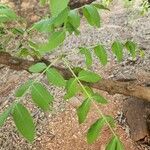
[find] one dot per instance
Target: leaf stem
(98, 110)
(38, 78)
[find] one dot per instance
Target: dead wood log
(111, 86)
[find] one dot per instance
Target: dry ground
(60, 130)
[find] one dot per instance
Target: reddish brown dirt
(68, 134)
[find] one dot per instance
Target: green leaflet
(100, 52)
(42, 2)
(117, 49)
(74, 18)
(73, 22)
(83, 109)
(131, 47)
(141, 53)
(96, 128)
(45, 25)
(48, 25)
(17, 31)
(88, 76)
(6, 14)
(100, 6)
(55, 77)
(38, 67)
(55, 40)
(93, 96)
(24, 52)
(89, 92)
(24, 122)
(115, 144)
(99, 99)
(61, 18)
(41, 96)
(71, 87)
(56, 6)
(92, 15)
(5, 114)
(88, 56)
(70, 28)
(23, 88)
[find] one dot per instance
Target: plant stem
(98, 110)
(37, 79)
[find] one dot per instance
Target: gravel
(116, 25)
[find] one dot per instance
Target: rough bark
(136, 113)
(111, 86)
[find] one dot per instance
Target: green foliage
(92, 15)
(45, 25)
(42, 2)
(99, 99)
(114, 144)
(88, 56)
(71, 88)
(145, 6)
(41, 96)
(73, 22)
(61, 18)
(88, 76)
(38, 67)
(56, 6)
(55, 77)
(100, 6)
(5, 114)
(96, 128)
(131, 47)
(23, 88)
(117, 49)
(100, 52)
(74, 18)
(87, 92)
(62, 21)
(54, 41)
(24, 122)
(18, 31)
(83, 110)
(6, 14)
(49, 24)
